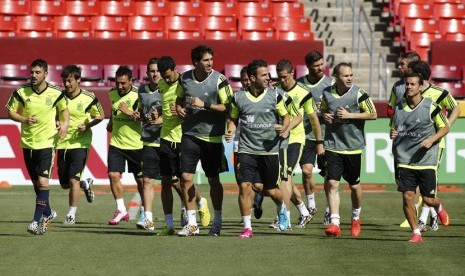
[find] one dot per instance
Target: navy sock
(41, 204)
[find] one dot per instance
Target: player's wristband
(207, 105)
(319, 142)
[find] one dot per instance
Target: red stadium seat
(258, 35)
(443, 73)
(116, 8)
(447, 1)
(110, 34)
(73, 34)
(286, 9)
(295, 24)
(221, 35)
(181, 68)
(233, 73)
(456, 89)
(14, 7)
(151, 8)
(184, 35)
(82, 8)
(455, 36)
(187, 8)
(420, 26)
(220, 23)
(447, 10)
(395, 4)
(34, 26)
(250, 23)
(102, 26)
(53, 8)
(54, 74)
(257, 9)
(91, 75)
(291, 36)
(407, 10)
(7, 23)
(141, 27)
(423, 40)
(72, 26)
(183, 23)
(14, 74)
(219, 9)
(451, 26)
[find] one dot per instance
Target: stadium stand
(445, 73)
(13, 74)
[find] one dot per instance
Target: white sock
(311, 200)
(355, 213)
(247, 221)
(169, 220)
(417, 231)
(424, 214)
(201, 203)
(433, 212)
(120, 205)
(149, 215)
(191, 217)
(335, 219)
(289, 217)
(72, 211)
(218, 219)
(302, 209)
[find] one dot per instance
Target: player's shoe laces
(433, 224)
(204, 214)
(422, 226)
(215, 230)
(141, 222)
(183, 217)
(119, 216)
(33, 228)
(283, 220)
(444, 217)
(303, 221)
(69, 220)
(88, 182)
(275, 223)
(327, 219)
(166, 231)
(312, 211)
(333, 230)
(246, 233)
(356, 228)
(46, 221)
(189, 230)
(416, 238)
(257, 206)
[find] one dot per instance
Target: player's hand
(197, 102)
(279, 129)
(393, 134)
(82, 127)
(229, 136)
(31, 120)
(135, 115)
(342, 113)
(320, 151)
(154, 113)
(427, 143)
(328, 117)
(173, 110)
(123, 107)
(181, 112)
(62, 130)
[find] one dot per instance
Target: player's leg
(335, 168)
(352, 169)
(150, 172)
(116, 166)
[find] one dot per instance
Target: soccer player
(170, 150)
(316, 81)
(397, 93)
(416, 129)
(152, 119)
(85, 112)
(35, 106)
(345, 108)
(203, 95)
(125, 140)
(291, 152)
(258, 109)
(445, 101)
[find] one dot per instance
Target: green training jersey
(82, 109)
(171, 128)
(126, 133)
(44, 106)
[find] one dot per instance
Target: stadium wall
(377, 159)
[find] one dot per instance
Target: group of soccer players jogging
(164, 128)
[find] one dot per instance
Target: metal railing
(362, 37)
(383, 79)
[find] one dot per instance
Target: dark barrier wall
(135, 51)
(448, 52)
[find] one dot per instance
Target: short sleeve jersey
(82, 109)
(44, 107)
(126, 133)
(171, 128)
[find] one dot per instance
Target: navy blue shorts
(117, 160)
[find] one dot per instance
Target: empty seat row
(155, 27)
(151, 8)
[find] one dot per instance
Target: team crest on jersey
(80, 106)
(48, 101)
(128, 102)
